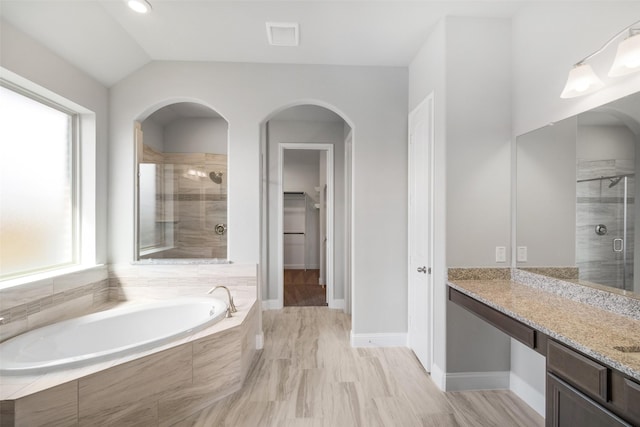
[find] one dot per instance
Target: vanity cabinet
(566, 406)
(581, 391)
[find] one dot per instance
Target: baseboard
(271, 304)
(259, 341)
(337, 304)
(461, 381)
(301, 267)
(378, 340)
(438, 377)
(530, 395)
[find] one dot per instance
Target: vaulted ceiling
(109, 41)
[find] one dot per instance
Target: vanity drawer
(583, 373)
(506, 324)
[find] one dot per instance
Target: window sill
(33, 278)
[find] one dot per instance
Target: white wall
(361, 95)
(22, 55)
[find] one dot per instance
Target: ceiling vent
(283, 33)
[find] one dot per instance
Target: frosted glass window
(37, 197)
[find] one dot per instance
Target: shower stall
(605, 218)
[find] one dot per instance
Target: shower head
(216, 177)
(615, 181)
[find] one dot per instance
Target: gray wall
(196, 135)
(427, 73)
(293, 131)
(478, 175)
(247, 95)
(546, 197)
(473, 131)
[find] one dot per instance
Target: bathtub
(106, 335)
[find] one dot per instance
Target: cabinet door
(567, 407)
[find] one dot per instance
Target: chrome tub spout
(232, 307)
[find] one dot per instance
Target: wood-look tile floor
(308, 375)
(301, 289)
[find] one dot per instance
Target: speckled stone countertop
(588, 329)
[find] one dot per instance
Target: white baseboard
(271, 304)
(259, 341)
(301, 267)
(530, 395)
(378, 340)
(461, 381)
(438, 377)
(337, 304)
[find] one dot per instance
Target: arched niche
(181, 183)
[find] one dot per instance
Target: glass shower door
(605, 230)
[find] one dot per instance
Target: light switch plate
(522, 254)
(501, 254)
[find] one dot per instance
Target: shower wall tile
(598, 203)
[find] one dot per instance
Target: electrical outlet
(501, 254)
(522, 254)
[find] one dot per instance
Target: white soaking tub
(107, 335)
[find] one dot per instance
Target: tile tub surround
(155, 387)
(160, 281)
(32, 305)
(591, 330)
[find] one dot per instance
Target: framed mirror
(576, 198)
(181, 152)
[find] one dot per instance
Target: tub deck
(158, 386)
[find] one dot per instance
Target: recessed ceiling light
(283, 33)
(140, 6)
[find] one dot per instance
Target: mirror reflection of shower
(216, 177)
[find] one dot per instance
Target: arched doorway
(306, 220)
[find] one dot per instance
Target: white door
(420, 231)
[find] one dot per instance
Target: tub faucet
(232, 307)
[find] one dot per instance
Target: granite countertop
(586, 328)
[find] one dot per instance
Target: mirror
(576, 195)
(181, 154)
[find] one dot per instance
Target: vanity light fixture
(140, 6)
(582, 80)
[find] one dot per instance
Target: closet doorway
(306, 175)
